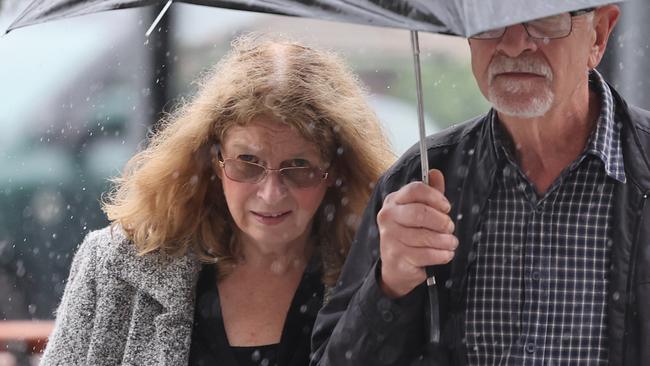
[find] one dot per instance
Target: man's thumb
(437, 180)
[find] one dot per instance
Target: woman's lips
(270, 218)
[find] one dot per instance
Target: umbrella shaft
(418, 87)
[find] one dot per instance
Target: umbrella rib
(158, 18)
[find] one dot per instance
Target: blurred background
(79, 96)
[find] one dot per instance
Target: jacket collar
(170, 280)
(635, 138)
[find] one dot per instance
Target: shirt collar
(604, 142)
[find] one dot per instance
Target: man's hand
(415, 231)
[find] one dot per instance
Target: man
(540, 242)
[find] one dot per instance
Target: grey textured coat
(122, 309)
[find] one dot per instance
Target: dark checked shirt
(537, 289)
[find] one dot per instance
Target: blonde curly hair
(168, 197)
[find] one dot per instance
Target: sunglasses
(552, 27)
(294, 177)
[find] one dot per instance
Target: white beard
(522, 99)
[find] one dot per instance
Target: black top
(256, 355)
(209, 342)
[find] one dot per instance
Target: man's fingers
(422, 238)
(419, 215)
(418, 192)
(410, 259)
(437, 180)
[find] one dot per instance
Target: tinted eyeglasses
(552, 27)
(294, 177)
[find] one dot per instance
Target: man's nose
(516, 41)
(272, 188)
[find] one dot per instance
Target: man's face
(526, 77)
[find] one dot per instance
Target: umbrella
(455, 17)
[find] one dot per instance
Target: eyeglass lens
(247, 172)
(555, 26)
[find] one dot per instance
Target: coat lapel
(171, 282)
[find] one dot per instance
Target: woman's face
(271, 214)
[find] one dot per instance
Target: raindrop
(373, 232)
(471, 256)
(256, 356)
(475, 209)
(546, 40)
(449, 283)
(194, 180)
(348, 355)
(20, 268)
(329, 211)
(32, 309)
(351, 220)
(303, 308)
(339, 151)
(462, 171)
(616, 296)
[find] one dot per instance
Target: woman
(228, 228)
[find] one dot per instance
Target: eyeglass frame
(573, 14)
(222, 163)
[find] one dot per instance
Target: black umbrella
(456, 17)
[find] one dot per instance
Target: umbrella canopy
(456, 17)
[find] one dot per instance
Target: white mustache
(525, 64)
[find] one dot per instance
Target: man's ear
(605, 18)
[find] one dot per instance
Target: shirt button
(530, 347)
(536, 276)
(387, 316)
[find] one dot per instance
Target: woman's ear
(217, 169)
(214, 160)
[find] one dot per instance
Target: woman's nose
(272, 188)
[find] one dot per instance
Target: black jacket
(360, 326)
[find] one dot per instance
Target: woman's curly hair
(169, 198)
